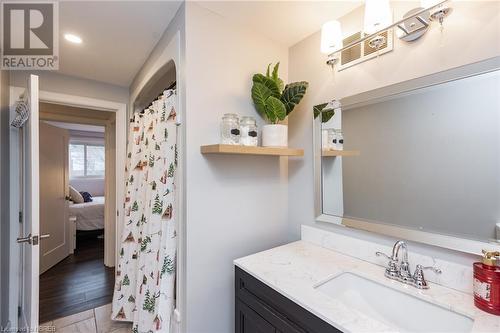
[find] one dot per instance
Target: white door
(29, 206)
(54, 190)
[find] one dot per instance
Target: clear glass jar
(340, 139)
(230, 129)
(325, 143)
(249, 132)
(332, 138)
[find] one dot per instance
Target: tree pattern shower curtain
(145, 277)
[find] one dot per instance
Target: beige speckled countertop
(295, 269)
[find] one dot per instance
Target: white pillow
(75, 195)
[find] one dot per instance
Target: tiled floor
(91, 321)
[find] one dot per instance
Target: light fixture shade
(331, 37)
(429, 3)
(377, 15)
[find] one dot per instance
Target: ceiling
(287, 22)
(77, 127)
(118, 36)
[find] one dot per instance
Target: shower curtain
(145, 277)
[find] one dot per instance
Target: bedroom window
(86, 160)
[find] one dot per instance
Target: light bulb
(429, 3)
(73, 38)
(377, 15)
(331, 37)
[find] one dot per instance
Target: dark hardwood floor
(78, 283)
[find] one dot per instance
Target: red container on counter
(487, 283)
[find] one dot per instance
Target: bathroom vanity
(303, 287)
(259, 308)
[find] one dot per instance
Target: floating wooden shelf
(332, 152)
(245, 150)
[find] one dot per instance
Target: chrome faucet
(401, 271)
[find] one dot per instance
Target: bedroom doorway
(77, 151)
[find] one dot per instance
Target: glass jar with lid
(249, 133)
(332, 138)
(230, 129)
(340, 139)
(325, 143)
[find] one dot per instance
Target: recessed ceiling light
(73, 38)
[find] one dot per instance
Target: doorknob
(26, 239)
(32, 239)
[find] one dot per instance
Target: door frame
(112, 229)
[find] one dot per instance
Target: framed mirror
(419, 160)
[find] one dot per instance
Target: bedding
(87, 197)
(75, 195)
(89, 215)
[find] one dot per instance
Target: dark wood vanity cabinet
(260, 309)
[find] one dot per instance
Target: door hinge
(20, 217)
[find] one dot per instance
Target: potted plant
(274, 101)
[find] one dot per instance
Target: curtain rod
(170, 87)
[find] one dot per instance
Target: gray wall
(64, 84)
(429, 160)
(4, 195)
(237, 205)
(435, 52)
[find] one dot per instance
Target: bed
(89, 215)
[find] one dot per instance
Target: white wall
(4, 195)
(64, 84)
(170, 47)
(236, 205)
(471, 34)
(94, 186)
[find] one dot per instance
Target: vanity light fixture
(73, 38)
(378, 20)
(331, 41)
(378, 16)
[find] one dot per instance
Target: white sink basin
(399, 311)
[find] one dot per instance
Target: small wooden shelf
(245, 150)
(332, 152)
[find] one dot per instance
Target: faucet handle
(419, 278)
(392, 269)
(432, 268)
(381, 254)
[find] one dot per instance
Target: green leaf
(260, 93)
(318, 108)
(274, 76)
(268, 82)
(275, 72)
(280, 84)
(263, 88)
(275, 109)
(293, 94)
(326, 114)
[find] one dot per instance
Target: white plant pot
(275, 136)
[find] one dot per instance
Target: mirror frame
(378, 95)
